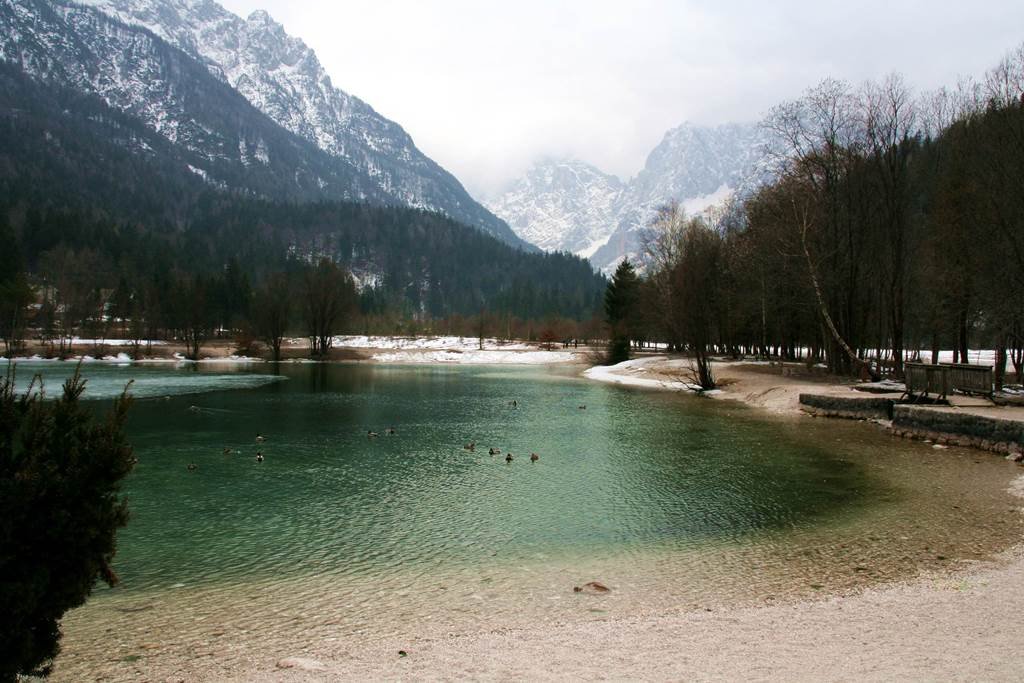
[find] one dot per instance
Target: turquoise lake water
(627, 472)
(671, 500)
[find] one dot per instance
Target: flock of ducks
(497, 451)
(390, 431)
(192, 467)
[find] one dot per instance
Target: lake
(674, 502)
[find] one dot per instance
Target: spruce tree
(60, 507)
(620, 309)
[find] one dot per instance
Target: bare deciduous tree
(328, 294)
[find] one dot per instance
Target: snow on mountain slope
(570, 205)
(693, 165)
(563, 205)
(283, 78)
(221, 137)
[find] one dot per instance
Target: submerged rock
(592, 587)
(301, 663)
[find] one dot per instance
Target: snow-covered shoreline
(441, 343)
(477, 357)
(452, 350)
(124, 359)
(627, 373)
(442, 350)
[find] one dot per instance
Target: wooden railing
(923, 379)
(970, 379)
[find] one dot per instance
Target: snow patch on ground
(477, 357)
(438, 343)
(125, 358)
(119, 358)
(630, 373)
(114, 342)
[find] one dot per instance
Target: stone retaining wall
(959, 429)
(849, 407)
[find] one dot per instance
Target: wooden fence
(924, 379)
(970, 379)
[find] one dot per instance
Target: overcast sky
(487, 86)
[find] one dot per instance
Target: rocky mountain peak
(283, 78)
(561, 205)
(569, 205)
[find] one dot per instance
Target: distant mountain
(233, 93)
(562, 205)
(78, 174)
(181, 111)
(693, 165)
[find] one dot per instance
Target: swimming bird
(372, 434)
(493, 451)
(194, 409)
(471, 446)
(191, 467)
(534, 457)
(391, 431)
(583, 407)
(260, 438)
(508, 458)
(259, 456)
(227, 451)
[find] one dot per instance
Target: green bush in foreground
(60, 476)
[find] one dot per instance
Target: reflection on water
(671, 500)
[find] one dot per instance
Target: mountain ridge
(560, 205)
(696, 166)
(73, 181)
(281, 77)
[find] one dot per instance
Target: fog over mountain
(572, 206)
(282, 78)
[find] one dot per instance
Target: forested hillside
(264, 119)
(89, 219)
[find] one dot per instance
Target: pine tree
(60, 477)
(620, 307)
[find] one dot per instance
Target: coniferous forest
(100, 240)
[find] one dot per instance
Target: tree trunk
(1000, 373)
(962, 337)
(823, 309)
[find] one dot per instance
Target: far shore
(442, 350)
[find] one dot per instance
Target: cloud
(486, 87)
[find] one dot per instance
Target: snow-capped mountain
(275, 73)
(696, 166)
(562, 205)
(553, 205)
(202, 123)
